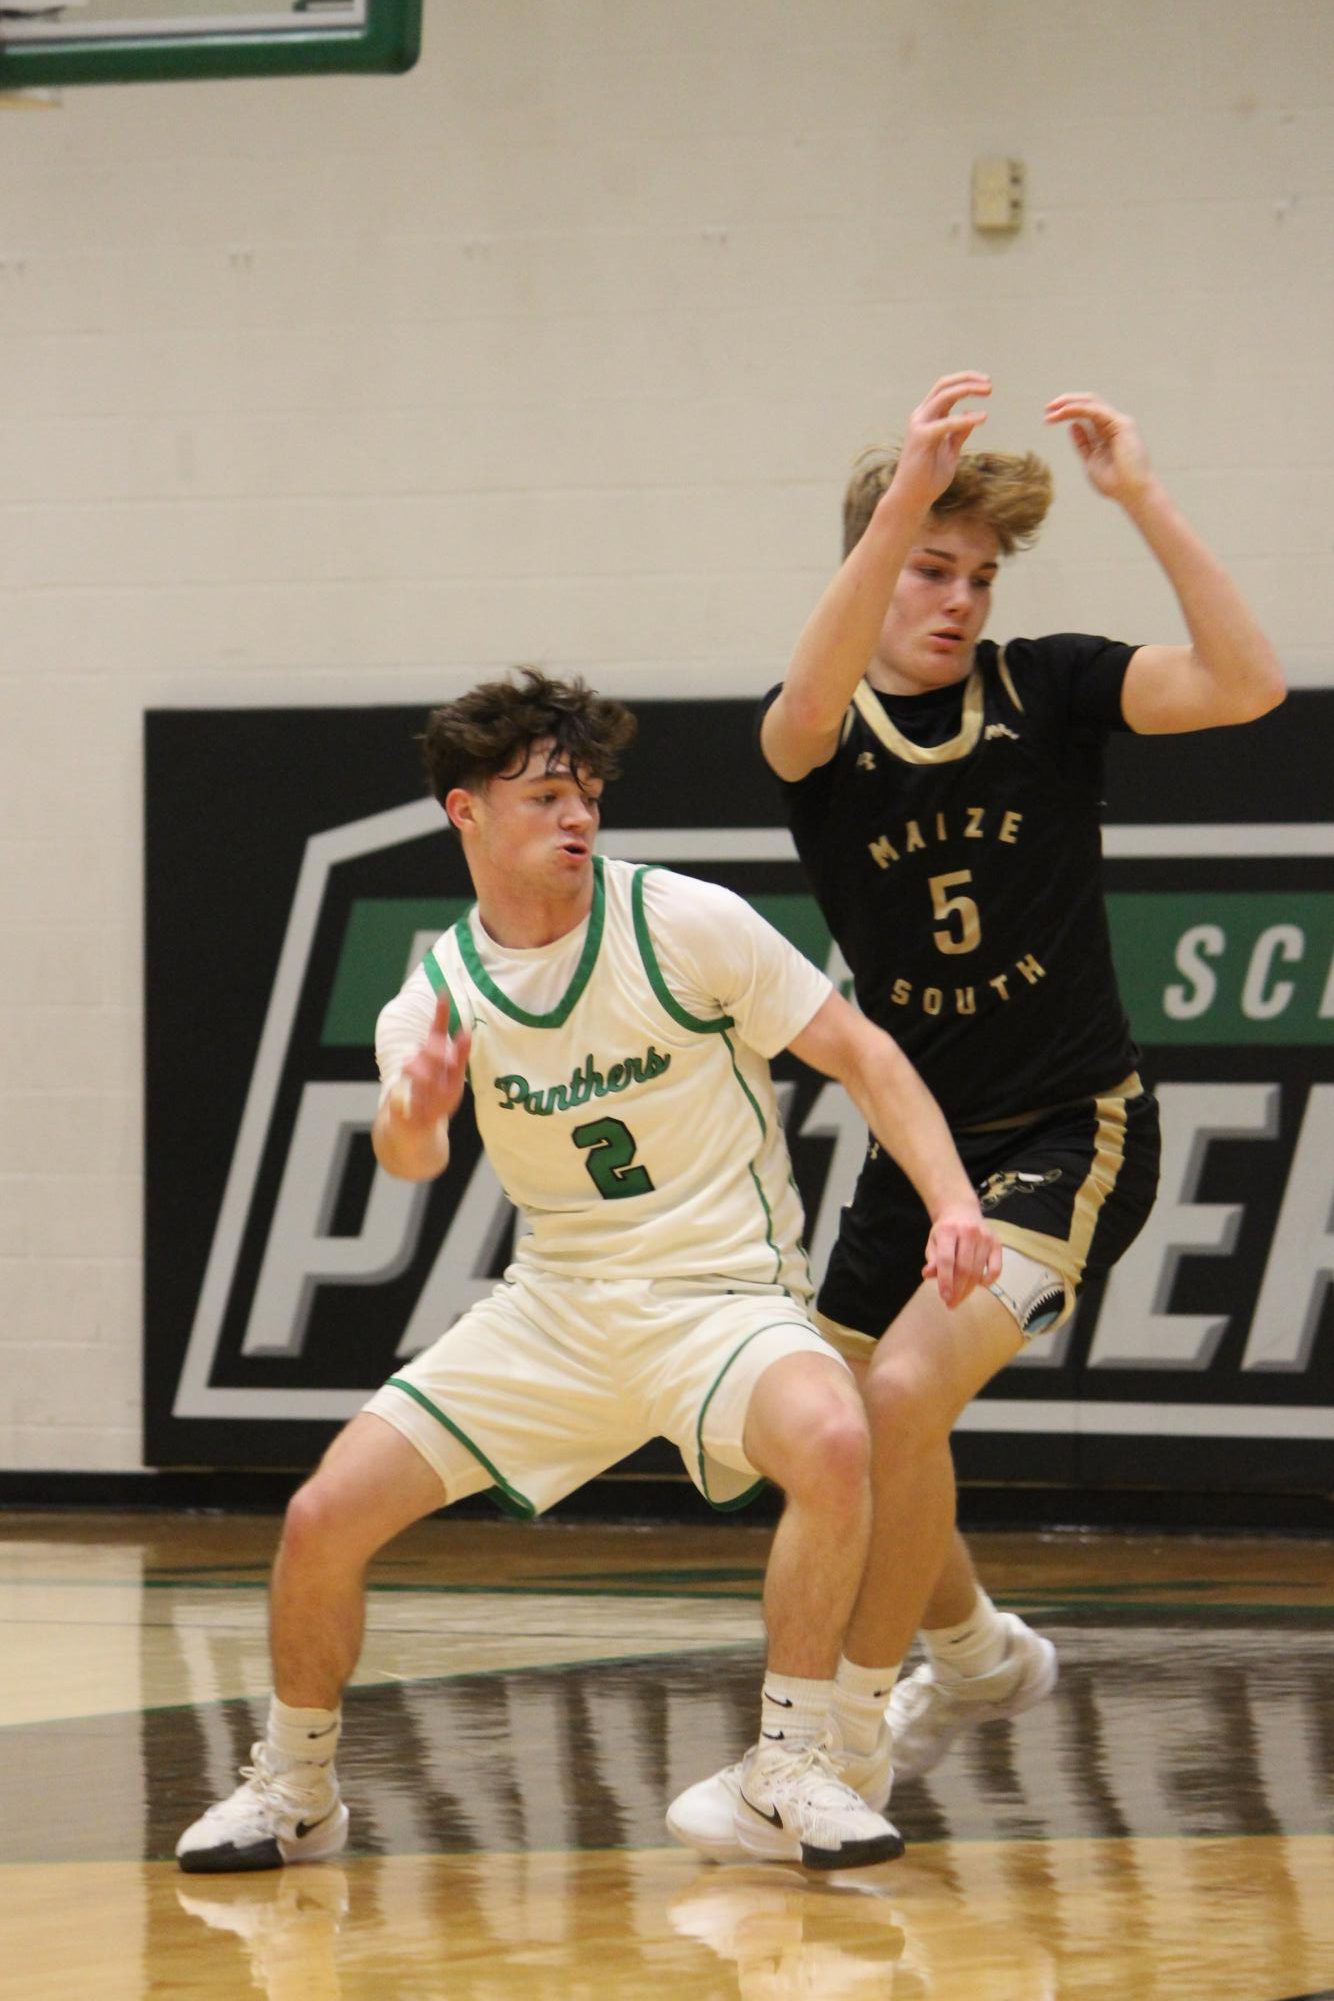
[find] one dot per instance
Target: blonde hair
(1009, 492)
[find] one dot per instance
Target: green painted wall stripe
(373, 960)
(1209, 966)
(1151, 930)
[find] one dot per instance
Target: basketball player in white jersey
(615, 1025)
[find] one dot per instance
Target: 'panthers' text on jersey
(953, 843)
(621, 1079)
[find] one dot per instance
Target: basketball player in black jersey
(943, 794)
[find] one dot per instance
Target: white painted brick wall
(559, 348)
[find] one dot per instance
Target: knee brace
(1035, 1294)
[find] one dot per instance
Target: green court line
(1076, 1603)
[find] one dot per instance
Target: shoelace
(273, 1787)
(814, 1758)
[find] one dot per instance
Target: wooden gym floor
(531, 1698)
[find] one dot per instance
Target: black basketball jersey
(953, 844)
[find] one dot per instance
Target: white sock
(302, 1736)
(858, 1707)
(975, 1646)
(793, 1711)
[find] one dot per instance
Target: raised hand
(1107, 441)
(961, 1252)
(935, 437)
(430, 1085)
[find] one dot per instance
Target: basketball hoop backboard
(54, 42)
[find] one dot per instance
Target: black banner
(295, 869)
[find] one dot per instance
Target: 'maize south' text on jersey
(621, 1079)
(953, 843)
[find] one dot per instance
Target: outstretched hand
(962, 1252)
(430, 1085)
(936, 435)
(1107, 441)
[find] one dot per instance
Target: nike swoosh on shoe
(772, 1815)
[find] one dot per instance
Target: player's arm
(411, 1131)
(801, 725)
(1229, 672)
(909, 1124)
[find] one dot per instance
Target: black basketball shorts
(1071, 1188)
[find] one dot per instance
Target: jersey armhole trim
(1007, 680)
(680, 1015)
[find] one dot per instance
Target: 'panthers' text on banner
(296, 869)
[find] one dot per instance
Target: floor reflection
(984, 1922)
(1163, 1731)
(1163, 1826)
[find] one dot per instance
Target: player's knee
(828, 1454)
(317, 1525)
(903, 1408)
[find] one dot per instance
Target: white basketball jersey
(639, 1135)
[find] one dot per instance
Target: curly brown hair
(490, 732)
(1009, 492)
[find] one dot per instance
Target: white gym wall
(557, 349)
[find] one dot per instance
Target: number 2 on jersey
(611, 1149)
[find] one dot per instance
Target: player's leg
(1068, 1194)
(805, 1431)
(786, 1407)
(980, 1663)
(874, 1280)
(929, 1365)
(371, 1484)
(446, 1425)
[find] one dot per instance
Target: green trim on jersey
(440, 985)
(759, 1185)
(481, 979)
(747, 1494)
(802, 1251)
(508, 1499)
(659, 985)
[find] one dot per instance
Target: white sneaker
(272, 1818)
(704, 1816)
(793, 1807)
(927, 1712)
(871, 1774)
